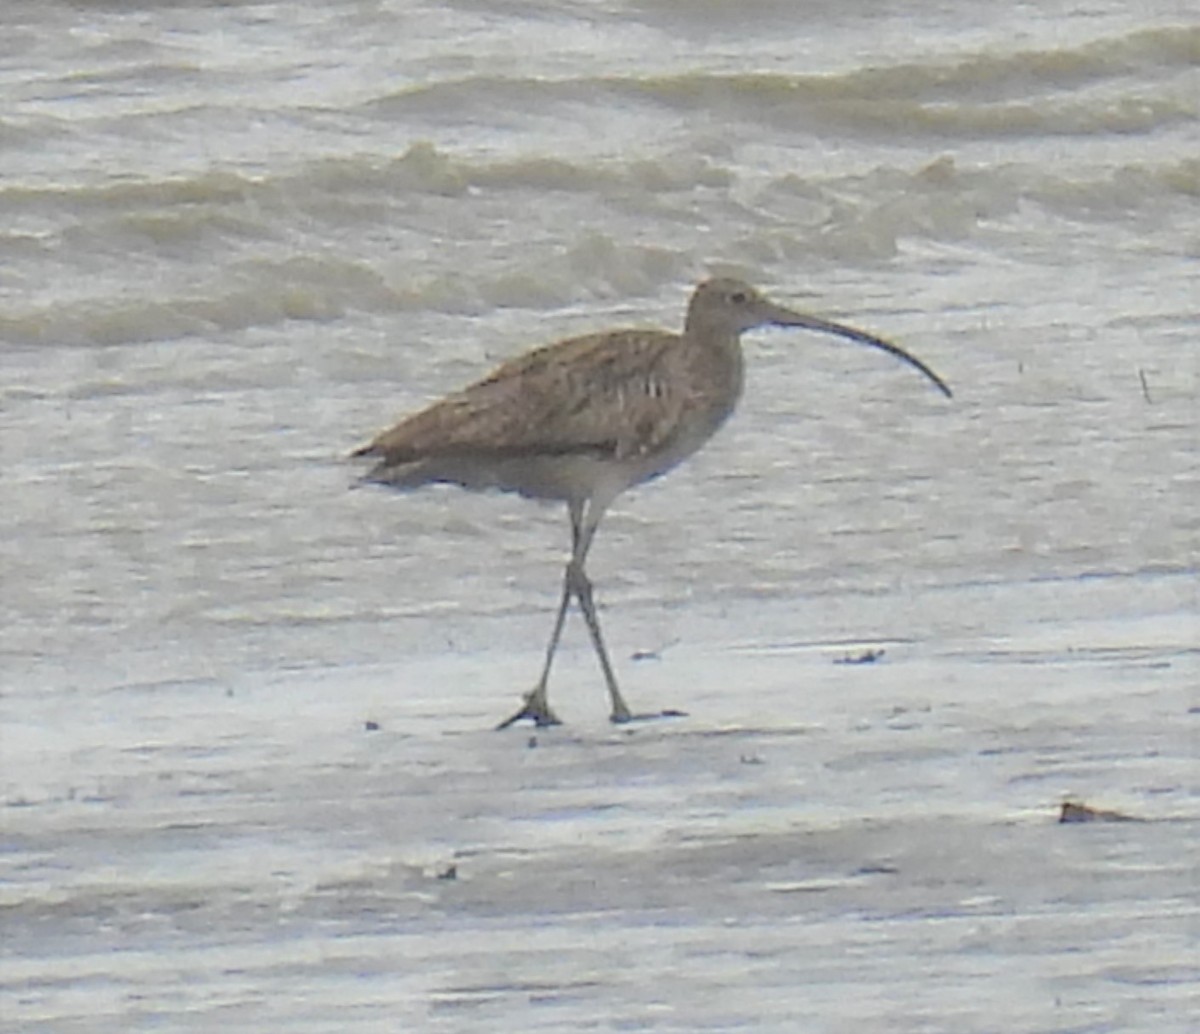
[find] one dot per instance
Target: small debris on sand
(1075, 811)
(866, 657)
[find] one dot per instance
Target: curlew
(584, 419)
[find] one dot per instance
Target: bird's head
(725, 307)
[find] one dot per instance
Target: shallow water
(239, 238)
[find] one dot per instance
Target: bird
(582, 420)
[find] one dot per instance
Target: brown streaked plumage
(584, 419)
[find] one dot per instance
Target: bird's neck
(706, 334)
(719, 353)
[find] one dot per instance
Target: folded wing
(610, 394)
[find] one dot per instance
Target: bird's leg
(537, 706)
(576, 583)
(581, 586)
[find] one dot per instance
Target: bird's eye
(738, 298)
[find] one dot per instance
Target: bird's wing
(611, 393)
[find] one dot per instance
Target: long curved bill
(786, 318)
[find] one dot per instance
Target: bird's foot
(625, 717)
(536, 709)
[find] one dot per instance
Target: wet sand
(817, 846)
